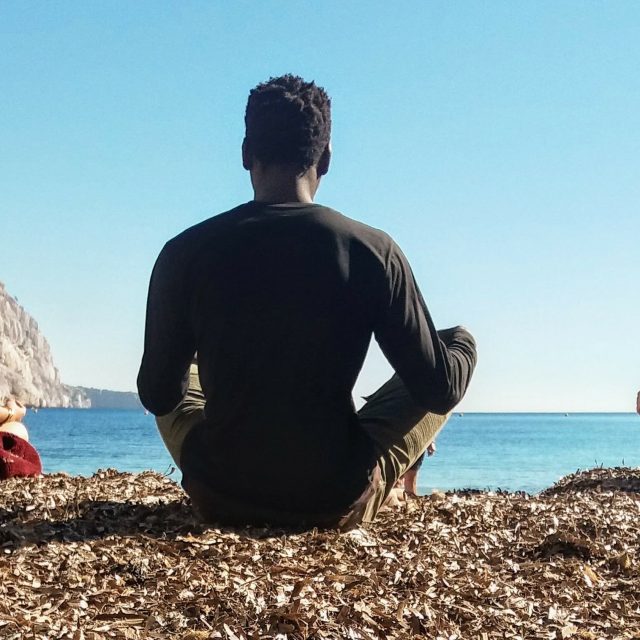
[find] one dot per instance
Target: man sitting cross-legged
(279, 298)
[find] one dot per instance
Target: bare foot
(396, 498)
(410, 482)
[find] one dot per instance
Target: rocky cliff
(105, 399)
(26, 365)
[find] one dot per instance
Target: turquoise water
(527, 451)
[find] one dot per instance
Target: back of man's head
(288, 122)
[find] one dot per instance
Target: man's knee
(175, 427)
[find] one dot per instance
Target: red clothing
(17, 457)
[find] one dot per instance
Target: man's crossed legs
(400, 430)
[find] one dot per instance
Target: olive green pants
(400, 430)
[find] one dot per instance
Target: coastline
(121, 555)
(513, 453)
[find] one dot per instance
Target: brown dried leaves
(121, 556)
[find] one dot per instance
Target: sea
(508, 451)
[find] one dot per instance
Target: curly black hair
(288, 122)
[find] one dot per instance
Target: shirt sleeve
(436, 367)
(169, 343)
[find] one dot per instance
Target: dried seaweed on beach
(598, 479)
(122, 556)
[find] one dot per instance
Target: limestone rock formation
(26, 365)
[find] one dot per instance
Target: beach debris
(122, 556)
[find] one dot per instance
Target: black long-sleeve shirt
(280, 303)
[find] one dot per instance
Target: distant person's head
(288, 128)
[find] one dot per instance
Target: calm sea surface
(526, 451)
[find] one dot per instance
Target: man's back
(280, 303)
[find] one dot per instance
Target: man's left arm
(169, 343)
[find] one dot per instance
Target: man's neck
(277, 185)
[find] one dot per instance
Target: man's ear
(247, 160)
(325, 161)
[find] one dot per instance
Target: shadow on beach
(68, 509)
(89, 520)
(61, 508)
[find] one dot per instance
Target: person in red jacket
(17, 456)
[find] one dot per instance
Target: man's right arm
(435, 366)
(169, 344)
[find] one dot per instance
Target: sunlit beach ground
(122, 556)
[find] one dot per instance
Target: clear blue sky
(497, 142)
